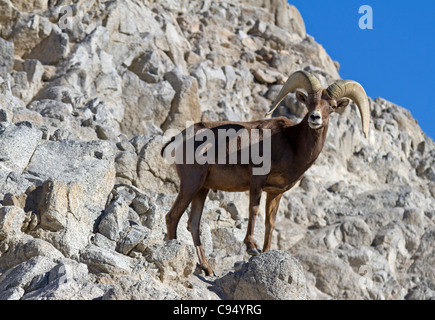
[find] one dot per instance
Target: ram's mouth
(316, 124)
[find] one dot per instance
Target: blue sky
(395, 60)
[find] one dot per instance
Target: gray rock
(425, 256)
(151, 101)
(68, 280)
(89, 164)
(63, 94)
(34, 70)
(286, 16)
(83, 175)
(17, 144)
(52, 49)
(52, 109)
(134, 288)
(153, 173)
(14, 281)
(6, 57)
(126, 165)
(391, 236)
(114, 221)
(42, 278)
(11, 221)
(103, 260)
(356, 232)
(333, 276)
(173, 259)
(25, 247)
(151, 66)
(273, 275)
(134, 235)
(422, 291)
(185, 105)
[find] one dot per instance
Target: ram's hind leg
(193, 225)
(173, 216)
(190, 183)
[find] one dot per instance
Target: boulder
(104, 260)
(173, 259)
(151, 66)
(273, 275)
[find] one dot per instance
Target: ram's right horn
(298, 80)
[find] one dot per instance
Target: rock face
(89, 94)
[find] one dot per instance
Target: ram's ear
(302, 98)
(342, 103)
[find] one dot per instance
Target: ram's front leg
(254, 205)
(272, 204)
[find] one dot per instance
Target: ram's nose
(315, 116)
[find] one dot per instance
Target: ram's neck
(308, 142)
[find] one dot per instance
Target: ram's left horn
(352, 90)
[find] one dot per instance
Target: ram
(293, 149)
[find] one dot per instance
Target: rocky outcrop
(90, 94)
(269, 276)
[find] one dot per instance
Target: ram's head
(322, 102)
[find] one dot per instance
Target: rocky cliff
(89, 93)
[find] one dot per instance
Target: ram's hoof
(207, 270)
(253, 252)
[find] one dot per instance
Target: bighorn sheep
(294, 148)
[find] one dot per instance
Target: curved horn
(353, 90)
(299, 79)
